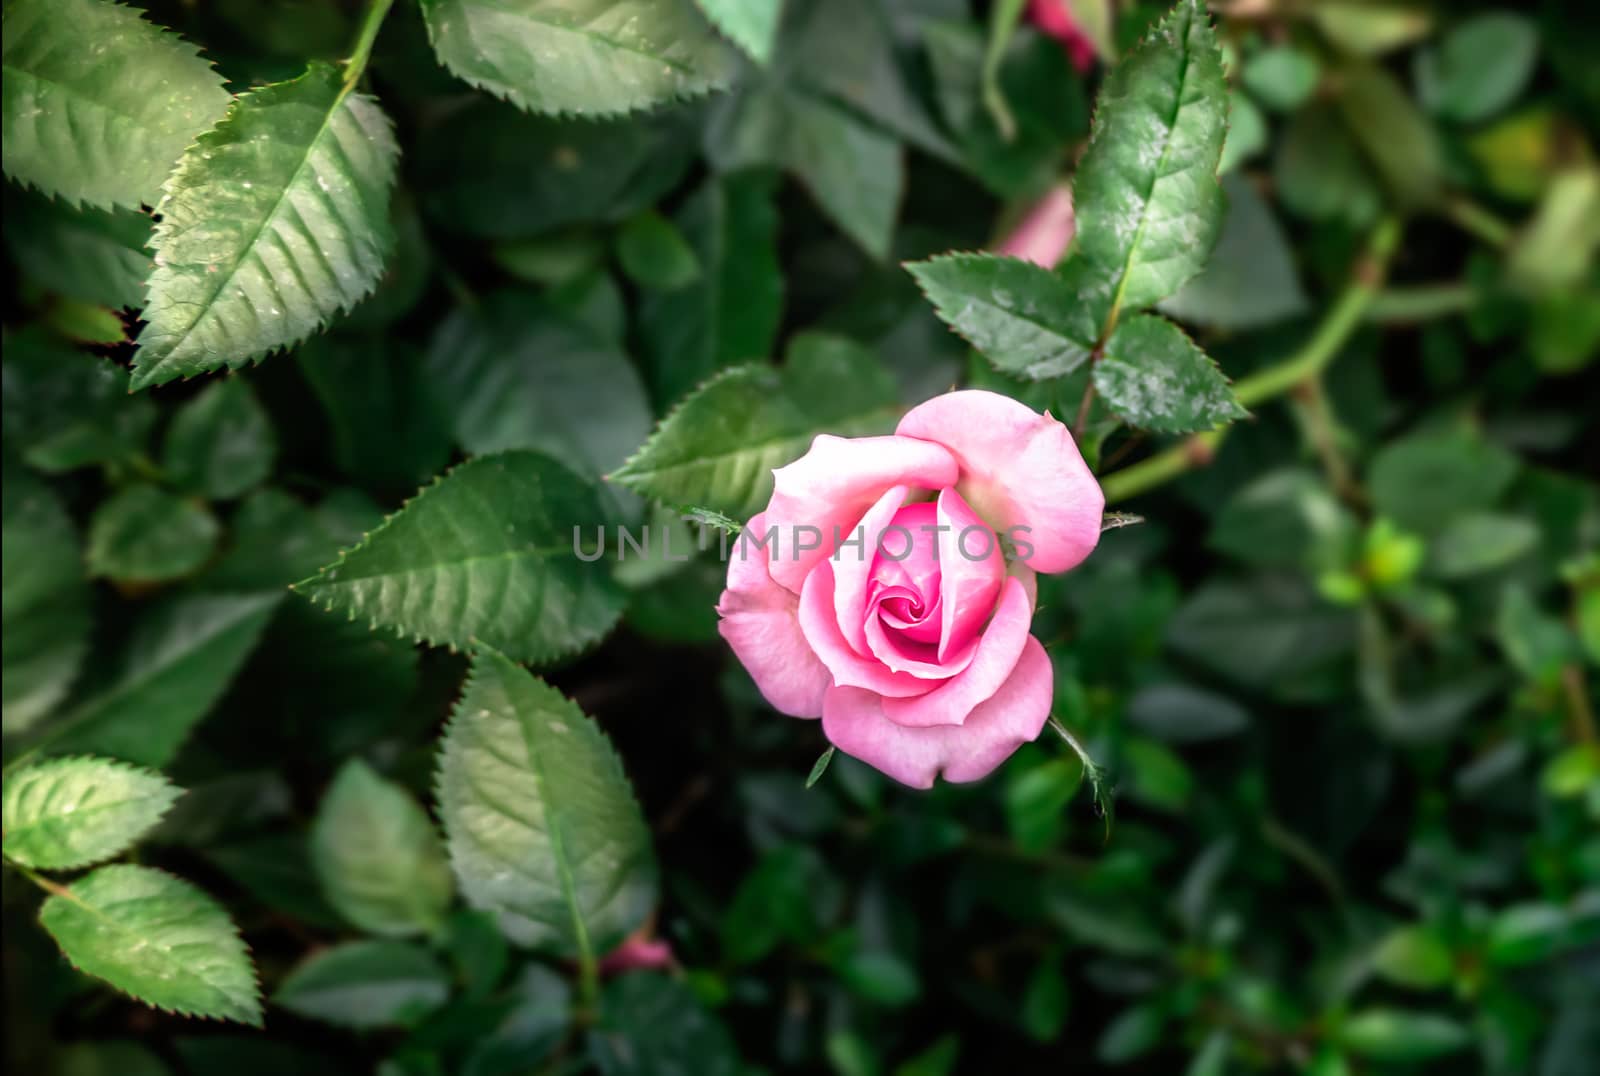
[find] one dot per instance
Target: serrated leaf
(486, 554)
(182, 655)
(45, 602)
(366, 984)
(274, 221)
(221, 443)
(1251, 278)
(719, 446)
(584, 57)
(1146, 192)
(96, 255)
(64, 408)
(378, 856)
(102, 125)
(729, 315)
(70, 812)
(511, 372)
(750, 24)
(144, 534)
(158, 939)
(541, 822)
(1155, 378)
(1026, 319)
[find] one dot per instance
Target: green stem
(53, 888)
(1326, 341)
(1472, 218)
(1404, 306)
(370, 24)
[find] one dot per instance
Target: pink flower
(874, 590)
(637, 951)
(1045, 231)
(1055, 18)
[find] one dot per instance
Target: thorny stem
(1091, 769)
(370, 24)
(1329, 337)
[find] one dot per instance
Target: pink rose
(1055, 18)
(637, 951)
(874, 591)
(1045, 232)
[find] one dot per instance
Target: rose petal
(817, 621)
(760, 622)
(834, 484)
(993, 659)
(1019, 469)
(853, 721)
(853, 564)
(969, 586)
(902, 653)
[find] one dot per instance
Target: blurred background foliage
(1341, 677)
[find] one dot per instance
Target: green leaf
(731, 313)
(1135, 1032)
(819, 767)
(1482, 542)
(1415, 956)
(486, 554)
(651, 1025)
(853, 169)
(1397, 1035)
(274, 221)
(277, 540)
(276, 870)
(1368, 28)
(492, 171)
(221, 443)
(366, 984)
(1036, 802)
(880, 977)
(1268, 634)
(588, 57)
(1536, 643)
(511, 372)
(718, 448)
(70, 812)
(775, 902)
(1027, 320)
(1251, 279)
(158, 939)
(1528, 933)
(655, 254)
(541, 822)
(1247, 133)
(182, 655)
(750, 24)
(101, 125)
(45, 603)
(1282, 76)
(1044, 1001)
(1286, 518)
(1147, 217)
(95, 255)
(1393, 133)
(389, 427)
(1182, 713)
(1154, 377)
(1479, 67)
(1319, 170)
(64, 408)
(144, 534)
(1427, 479)
(377, 855)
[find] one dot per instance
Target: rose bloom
(884, 602)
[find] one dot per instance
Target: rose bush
(875, 591)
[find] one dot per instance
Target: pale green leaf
(484, 554)
(1154, 377)
(274, 221)
(158, 939)
(718, 448)
(67, 813)
(541, 822)
(1394, 134)
(181, 657)
(100, 103)
(378, 856)
(45, 601)
(95, 255)
(221, 443)
(144, 534)
(731, 313)
(1027, 320)
(1479, 67)
(1281, 76)
(511, 372)
(585, 57)
(1400, 1035)
(750, 24)
(366, 984)
(1146, 191)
